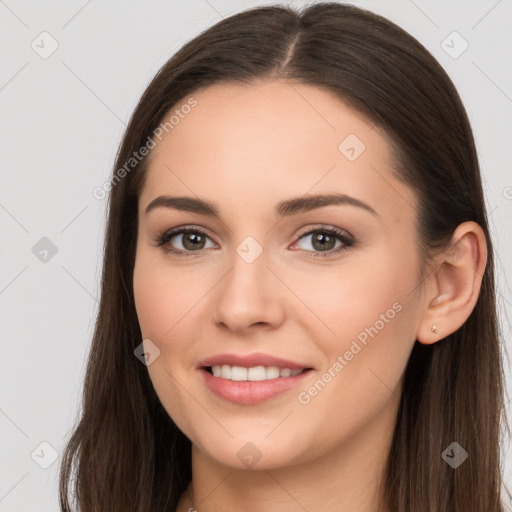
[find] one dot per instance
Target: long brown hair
(126, 453)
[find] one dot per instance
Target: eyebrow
(283, 209)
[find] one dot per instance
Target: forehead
(257, 143)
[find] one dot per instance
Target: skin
(246, 148)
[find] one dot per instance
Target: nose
(250, 296)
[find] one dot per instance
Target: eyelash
(348, 241)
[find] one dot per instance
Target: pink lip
(251, 360)
(249, 392)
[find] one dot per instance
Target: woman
(333, 343)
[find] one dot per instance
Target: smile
(253, 374)
(247, 391)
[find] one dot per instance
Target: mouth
(251, 379)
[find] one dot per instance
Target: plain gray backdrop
(71, 74)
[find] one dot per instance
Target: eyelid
(323, 227)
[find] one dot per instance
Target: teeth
(238, 373)
(255, 373)
(272, 372)
(225, 371)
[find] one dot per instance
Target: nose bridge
(249, 293)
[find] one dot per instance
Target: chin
(260, 453)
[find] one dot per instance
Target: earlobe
(455, 284)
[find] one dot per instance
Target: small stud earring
(434, 329)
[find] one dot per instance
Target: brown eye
(183, 240)
(192, 241)
(323, 241)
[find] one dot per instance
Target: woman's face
(268, 275)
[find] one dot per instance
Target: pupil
(322, 240)
(193, 236)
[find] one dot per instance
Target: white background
(62, 119)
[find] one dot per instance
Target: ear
(454, 285)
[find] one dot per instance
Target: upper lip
(251, 360)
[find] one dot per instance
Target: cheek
(152, 302)
(365, 321)
(163, 295)
(347, 299)
(161, 300)
(360, 380)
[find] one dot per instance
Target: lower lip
(251, 392)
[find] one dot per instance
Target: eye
(323, 240)
(190, 239)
